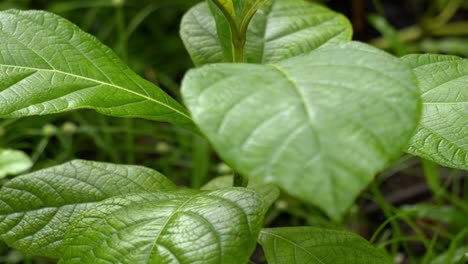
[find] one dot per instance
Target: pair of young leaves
(91, 212)
(342, 111)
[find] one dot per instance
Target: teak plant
(283, 95)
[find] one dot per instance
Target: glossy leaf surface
(442, 135)
(279, 30)
(320, 126)
(182, 227)
(309, 245)
(268, 193)
(13, 162)
(37, 209)
(48, 65)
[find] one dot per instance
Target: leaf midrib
(101, 83)
(169, 218)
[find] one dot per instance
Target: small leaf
(13, 162)
(223, 32)
(48, 65)
(227, 6)
(37, 209)
(309, 245)
(280, 29)
(449, 215)
(442, 135)
(268, 193)
(198, 31)
(239, 11)
(168, 227)
(319, 126)
(287, 28)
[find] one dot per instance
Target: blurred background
(418, 213)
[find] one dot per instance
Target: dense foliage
(305, 117)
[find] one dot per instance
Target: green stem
(447, 13)
(431, 173)
(397, 233)
(122, 35)
(239, 44)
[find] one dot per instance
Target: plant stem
(397, 233)
(240, 181)
(432, 175)
(238, 44)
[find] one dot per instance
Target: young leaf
(37, 209)
(443, 132)
(168, 227)
(206, 35)
(269, 193)
(13, 162)
(320, 126)
(48, 65)
(309, 245)
(239, 11)
(287, 28)
(280, 29)
(223, 31)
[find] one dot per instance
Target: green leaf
(168, 227)
(287, 28)
(239, 11)
(320, 126)
(280, 29)
(48, 65)
(198, 31)
(309, 245)
(442, 134)
(223, 32)
(227, 6)
(457, 256)
(37, 209)
(13, 162)
(449, 215)
(269, 193)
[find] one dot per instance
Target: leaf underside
(319, 126)
(309, 245)
(280, 29)
(442, 135)
(37, 209)
(48, 65)
(178, 227)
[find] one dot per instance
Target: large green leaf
(320, 126)
(279, 30)
(37, 209)
(182, 227)
(13, 162)
(268, 193)
(309, 245)
(442, 135)
(48, 65)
